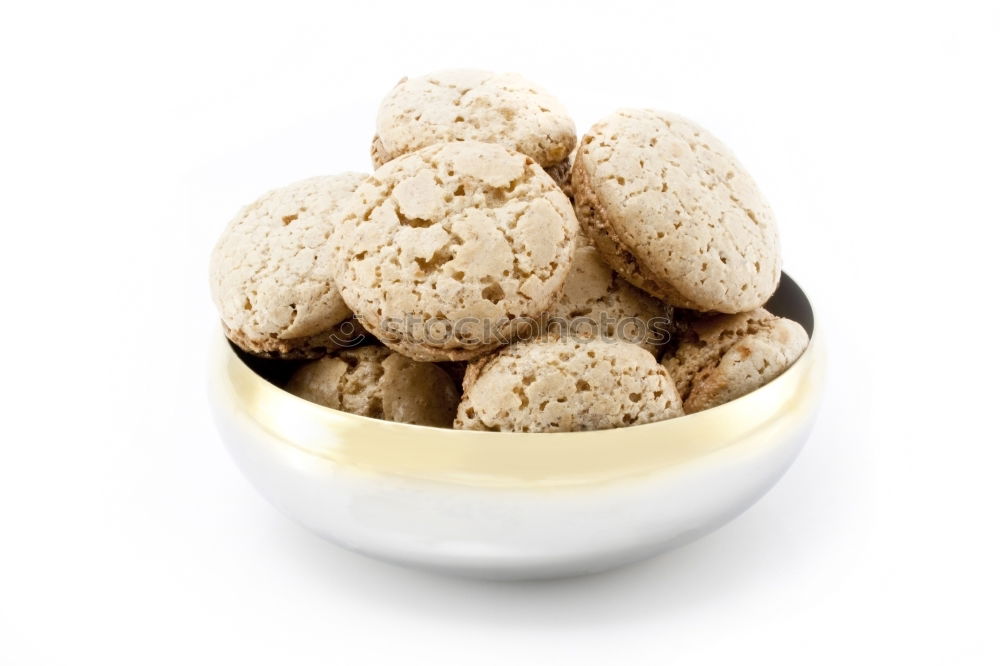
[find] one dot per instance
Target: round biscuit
(473, 105)
(671, 210)
(269, 274)
(557, 384)
(374, 381)
(723, 357)
(446, 253)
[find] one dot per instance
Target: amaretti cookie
(270, 274)
(473, 105)
(559, 385)
(445, 253)
(374, 381)
(723, 357)
(671, 210)
(597, 302)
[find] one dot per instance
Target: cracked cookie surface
(446, 252)
(671, 209)
(596, 301)
(473, 105)
(269, 274)
(559, 385)
(374, 381)
(723, 357)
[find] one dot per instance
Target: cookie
(445, 253)
(560, 173)
(597, 302)
(672, 211)
(721, 358)
(559, 385)
(473, 105)
(373, 381)
(270, 277)
(347, 333)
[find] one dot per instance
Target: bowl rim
(480, 458)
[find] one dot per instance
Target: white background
(131, 134)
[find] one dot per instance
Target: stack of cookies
(494, 274)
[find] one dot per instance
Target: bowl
(513, 505)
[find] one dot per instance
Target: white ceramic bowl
(513, 505)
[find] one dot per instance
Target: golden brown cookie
(270, 275)
(472, 105)
(672, 211)
(446, 252)
(374, 381)
(721, 358)
(560, 385)
(597, 302)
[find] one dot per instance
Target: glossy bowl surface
(514, 505)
